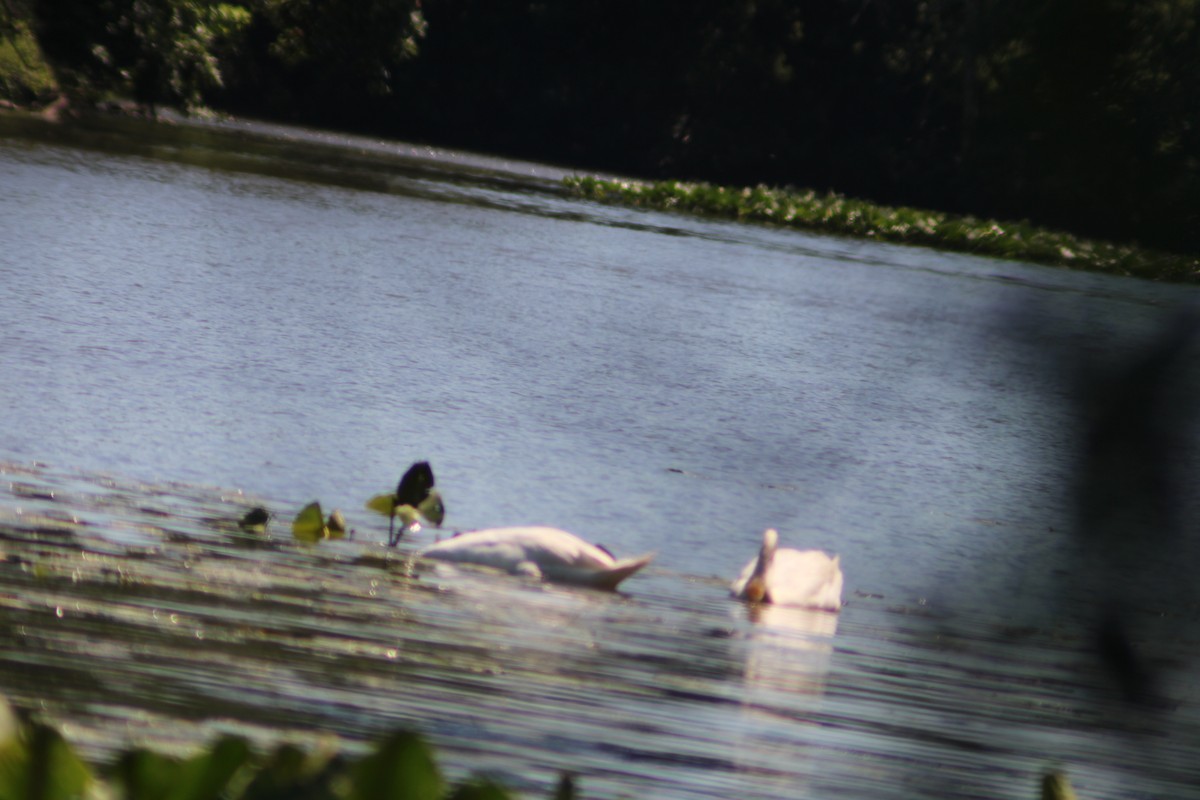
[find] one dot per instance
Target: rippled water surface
(288, 316)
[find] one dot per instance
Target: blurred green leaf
(147, 776)
(206, 776)
(38, 764)
(402, 768)
(382, 504)
(1055, 786)
(431, 508)
(291, 774)
(309, 525)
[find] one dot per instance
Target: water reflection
(787, 658)
(788, 650)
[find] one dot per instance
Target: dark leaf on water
(415, 485)
(566, 787)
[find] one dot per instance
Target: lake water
(285, 316)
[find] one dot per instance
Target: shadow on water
(263, 149)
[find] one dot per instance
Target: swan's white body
(539, 552)
(807, 578)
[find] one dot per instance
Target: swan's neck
(756, 587)
(756, 590)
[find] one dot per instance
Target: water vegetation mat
(837, 214)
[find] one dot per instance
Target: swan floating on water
(539, 552)
(807, 578)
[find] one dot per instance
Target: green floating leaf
(309, 525)
(38, 764)
(402, 768)
(382, 504)
(431, 508)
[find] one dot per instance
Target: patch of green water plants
(834, 213)
(36, 763)
(311, 526)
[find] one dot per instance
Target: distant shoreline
(27, 83)
(824, 213)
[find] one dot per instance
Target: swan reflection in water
(787, 657)
(788, 651)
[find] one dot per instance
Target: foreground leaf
(402, 768)
(291, 774)
(38, 764)
(207, 776)
(146, 775)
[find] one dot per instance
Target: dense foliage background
(1081, 114)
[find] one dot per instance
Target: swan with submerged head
(805, 578)
(539, 552)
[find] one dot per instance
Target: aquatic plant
(1055, 786)
(414, 496)
(37, 763)
(255, 520)
(311, 526)
(837, 214)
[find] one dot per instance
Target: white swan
(539, 552)
(808, 578)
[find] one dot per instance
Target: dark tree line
(1083, 114)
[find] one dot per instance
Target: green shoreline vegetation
(835, 214)
(25, 77)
